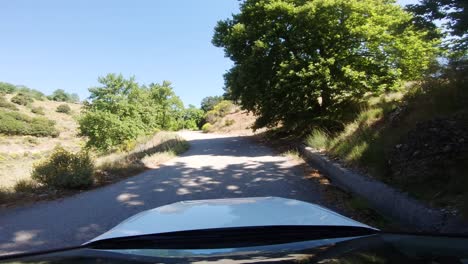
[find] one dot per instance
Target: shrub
(211, 117)
(106, 130)
(219, 111)
(26, 186)
(317, 139)
(65, 170)
(64, 108)
(207, 127)
(229, 122)
(7, 88)
(224, 107)
(39, 110)
(33, 93)
(60, 95)
(22, 99)
(5, 104)
(13, 123)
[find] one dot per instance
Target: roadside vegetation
(215, 113)
(380, 87)
(423, 127)
(121, 110)
(51, 146)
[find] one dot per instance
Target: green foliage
(4, 103)
(451, 13)
(223, 108)
(22, 99)
(65, 170)
(121, 111)
(13, 123)
(106, 130)
(192, 118)
(371, 138)
(209, 102)
(63, 108)
(219, 111)
(60, 95)
(317, 139)
(7, 88)
(207, 127)
(361, 141)
(33, 93)
(299, 63)
(39, 110)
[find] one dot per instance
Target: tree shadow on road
(250, 170)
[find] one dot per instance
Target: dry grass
(361, 142)
(148, 153)
(236, 123)
(293, 154)
(19, 153)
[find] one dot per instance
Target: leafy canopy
(209, 102)
(121, 110)
(454, 17)
(60, 95)
(299, 62)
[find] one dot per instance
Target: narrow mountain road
(216, 166)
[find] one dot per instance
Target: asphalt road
(216, 166)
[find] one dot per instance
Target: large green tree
(298, 62)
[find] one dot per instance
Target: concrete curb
(383, 198)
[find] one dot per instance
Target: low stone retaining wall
(386, 200)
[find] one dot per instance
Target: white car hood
(225, 213)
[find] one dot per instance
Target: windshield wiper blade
(231, 237)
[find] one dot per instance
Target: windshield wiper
(231, 237)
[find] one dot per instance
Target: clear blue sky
(56, 44)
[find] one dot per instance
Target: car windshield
(222, 123)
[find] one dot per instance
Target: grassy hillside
(228, 118)
(18, 153)
(415, 140)
(47, 167)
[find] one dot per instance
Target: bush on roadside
(22, 99)
(229, 122)
(5, 104)
(207, 127)
(26, 186)
(14, 123)
(39, 110)
(63, 108)
(65, 170)
(219, 111)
